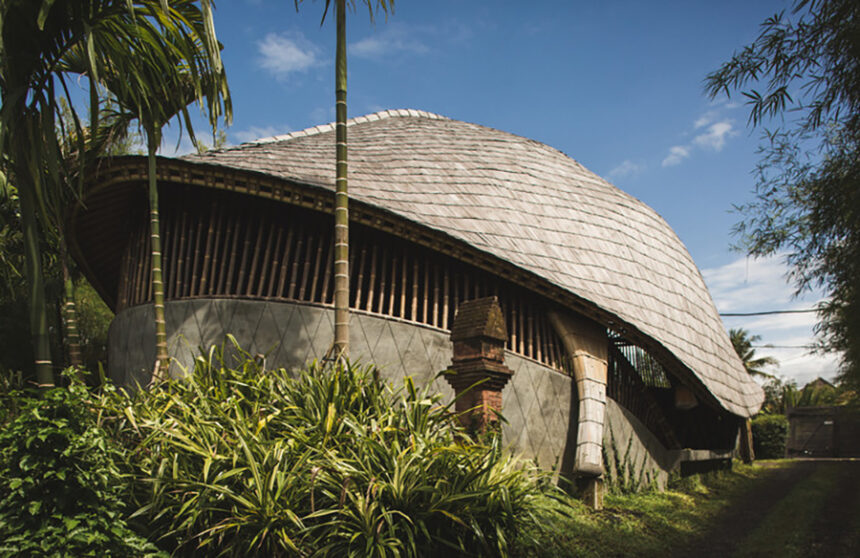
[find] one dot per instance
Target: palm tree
(743, 342)
(188, 71)
(34, 39)
(340, 347)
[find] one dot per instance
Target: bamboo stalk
(225, 255)
(514, 330)
(207, 251)
(237, 232)
(276, 263)
(414, 315)
(316, 275)
(426, 291)
(391, 295)
(445, 300)
(372, 284)
(307, 267)
(327, 266)
(435, 317)
(530, 325)
(285, 263)
(215, 267)
(196, 260)
(521, 347)
(359, 283)
(340, 346)
(262, 226)
(169, 258)
(179, 283)
(382, 283)
(403, 282)
(264, 265)
(246, 250)
(294, 273)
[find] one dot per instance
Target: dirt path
(834, 529)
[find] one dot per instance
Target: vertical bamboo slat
(445, 300)
(426, 291)
(306, 269)
(414, 314)
(435, 318)
(234, 255)
(196, 259)
(359, 284)
(328, 264)
(520, 327)
(285, 263)
(403, 283)
(530, 328)
(316, 275)
(246, 249)
(224, 260)
(262, 227)
(207, 252)
(267, 258)
(392, 293)
(276, 263)
(372, 283)
(383, 283)
(297, 255)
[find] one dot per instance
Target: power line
(768, 312)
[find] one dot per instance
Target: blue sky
(617, 85)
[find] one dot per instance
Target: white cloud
(676, 154)
(757, 285)
(284, 54)
(391, 40)
(258, 132)
(704, 120)
(626, 168)
(715, 137)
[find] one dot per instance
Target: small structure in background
(825, 431)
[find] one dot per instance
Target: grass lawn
(773, 508)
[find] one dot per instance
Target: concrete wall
(539, 404)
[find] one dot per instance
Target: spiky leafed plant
(340, 347)
(742, 342)
(34, 38)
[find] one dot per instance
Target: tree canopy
(742, 341)
(801, 79)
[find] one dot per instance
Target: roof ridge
(323, 128)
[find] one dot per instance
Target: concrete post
(477, 372)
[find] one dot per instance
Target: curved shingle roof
(531, 205)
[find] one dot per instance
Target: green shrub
(236, 461)
(769, 434)
(61, 491)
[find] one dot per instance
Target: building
(620, 359)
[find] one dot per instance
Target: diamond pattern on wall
(536, 402)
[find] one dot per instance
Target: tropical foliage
(241, 461)
(806, 65)
(743, 342)
(62, 488)
(39, 42)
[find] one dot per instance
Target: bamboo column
(340, 348)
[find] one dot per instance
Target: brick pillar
(478, 372)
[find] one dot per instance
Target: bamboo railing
(237, 247)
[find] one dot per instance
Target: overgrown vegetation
(237, 461)
(62, 489)
(769, 436)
